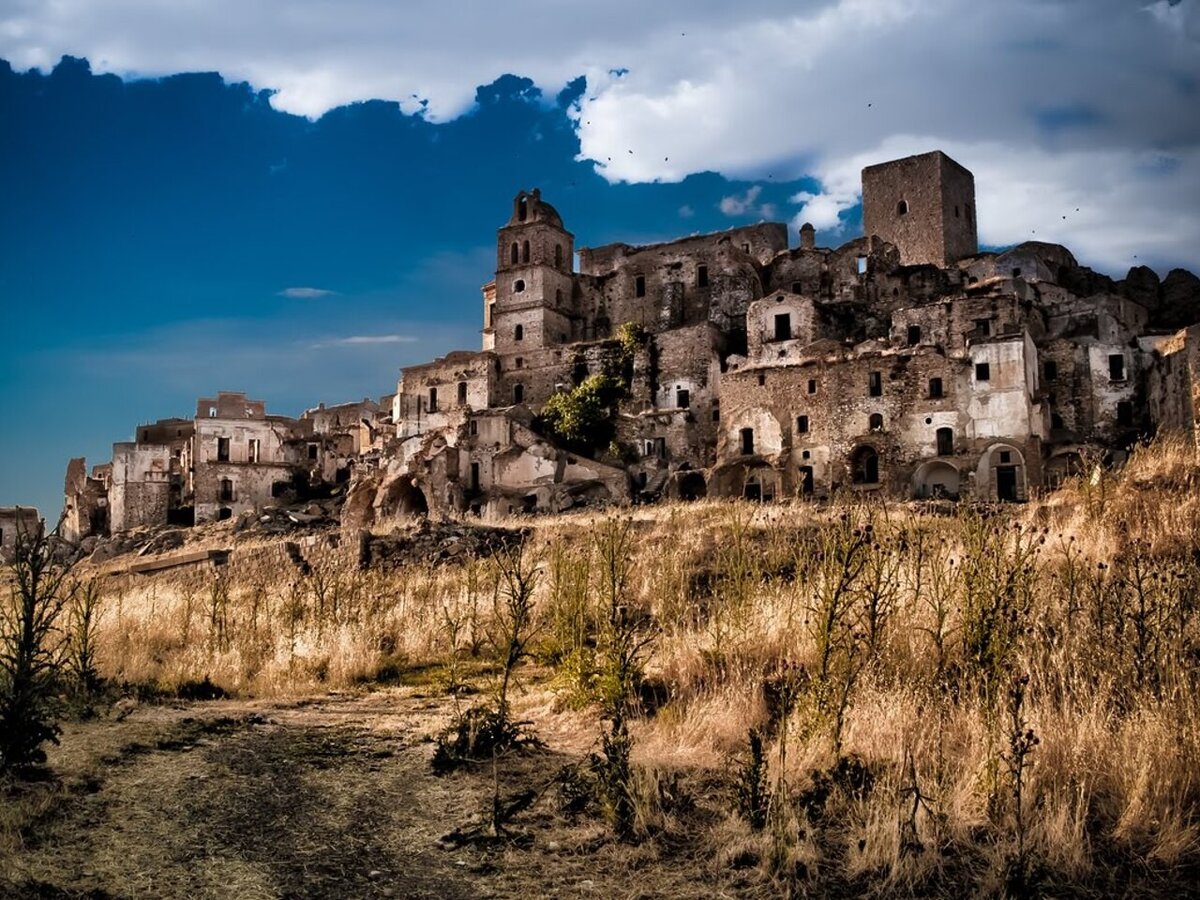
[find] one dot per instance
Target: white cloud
(686, 212)
(306, 293)
(790, 87)
(358, 340)
(740, 204)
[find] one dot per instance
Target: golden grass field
(948, 699)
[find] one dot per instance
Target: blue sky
(320, 208)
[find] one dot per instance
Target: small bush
(478, 733)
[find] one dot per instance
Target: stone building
(904, 362)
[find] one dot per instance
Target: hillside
(833, 698)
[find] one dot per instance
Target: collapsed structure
(727, 364)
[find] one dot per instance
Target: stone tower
(923, 204)
(534, 280)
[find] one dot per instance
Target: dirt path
(330, 797)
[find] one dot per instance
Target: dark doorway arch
(864, 465)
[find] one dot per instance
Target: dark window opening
(747, 441)
(474, 476)
(1056, 420)
(1005, 456)
(519, 362)
(1050, 370)
(222, 449)
(312, 451)
(945, 441)
(812, 385)
(801, 424)
(983, 327)
(683, 398)
(1116, 367)
(796, 287)
(864, 466)
(956, 215)
(935, 388)
(473, 427)
(226, 491)
(516, 253)
(1125, 414)
(522, 209)
(224, 513)
(716, 410)
(433, 400)
(875, 384)
(279, 488)
(1016, 273)
(762, 378)
(525, 252)
(875, 422)
(902, 208)
(983, 372)
(462, 393)
(783, 327)
(702, 276)
(491, 314)
(519, 286)
(639, 286)
(519, 333)
(518, 393)
(805, 474)
(914, 335)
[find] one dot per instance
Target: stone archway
(864, 465)
(936, 479)
(403, 498)
(1002, 475)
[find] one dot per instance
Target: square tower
(923, 204)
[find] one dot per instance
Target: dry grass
(902, 631)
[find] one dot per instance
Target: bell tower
(534, 278)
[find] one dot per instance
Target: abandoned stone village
(729, 364)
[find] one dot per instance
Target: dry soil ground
(330, 796)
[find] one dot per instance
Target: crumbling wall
(140, 490)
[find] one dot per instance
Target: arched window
(522, 209)
(525, 252)
(875, 423)
(945, 441)
(558, 254)
(519, 333)
(519, 286)
(902, 208)
(864, 465)
(516, 253)
(518, 393)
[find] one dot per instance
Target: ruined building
(731, 364)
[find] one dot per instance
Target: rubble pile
(436, 544)
(315, 514)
